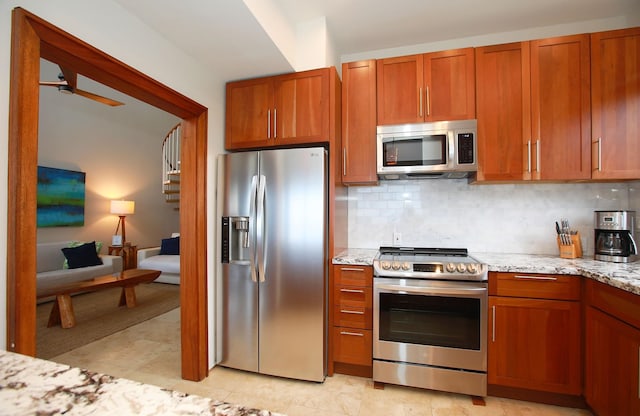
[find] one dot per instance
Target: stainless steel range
(430, 319)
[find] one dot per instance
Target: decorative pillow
(170, 246)
(82, 256)
(65, 263)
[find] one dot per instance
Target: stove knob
(385, 265)
(472, 268)
(450, 267)
(461, 268)
(406, 266)
(396, 265)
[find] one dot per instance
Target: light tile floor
(150, 353)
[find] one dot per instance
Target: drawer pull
(355, 334)
(535, 277)
(352, 290)
(493, 323)
(351, 269)
(352, 312)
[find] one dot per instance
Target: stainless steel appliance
(444, 149)
(615, 238)
(272, 291)
(430, 319)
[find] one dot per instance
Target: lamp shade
(123, 207)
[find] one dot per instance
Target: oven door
(438, 323)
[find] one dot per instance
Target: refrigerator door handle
(260, 222)
(252, 228)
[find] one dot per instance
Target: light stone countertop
(625, 276)
(31, 386)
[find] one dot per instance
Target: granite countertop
(30, 386)
(625, 276)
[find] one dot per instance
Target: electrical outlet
(397, 239)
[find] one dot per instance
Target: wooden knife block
(573, 250)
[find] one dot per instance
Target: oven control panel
(448, 270)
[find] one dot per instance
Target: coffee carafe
(615, 236)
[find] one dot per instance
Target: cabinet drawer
(537, 286)
(352, 316)
(352, 346)
(617, 302)
(353, 275)
(353, 295)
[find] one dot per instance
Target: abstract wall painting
(61, 195)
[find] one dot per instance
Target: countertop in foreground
(31, 386)
(625, 276)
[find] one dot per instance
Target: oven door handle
(431, 290)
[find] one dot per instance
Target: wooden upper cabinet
(301, 111)
(248, 113)
(561, 108)
(428, 87)
(615, 104)
(281, 110)
(359, 122)
(400, 90)
(504, 112)
(449, 85)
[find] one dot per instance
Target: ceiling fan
(66, 84)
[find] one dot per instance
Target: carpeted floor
(98, 315)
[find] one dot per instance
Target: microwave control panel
(465, 148)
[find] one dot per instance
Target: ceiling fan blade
(98, 98)
(52, 83)
(69, 76)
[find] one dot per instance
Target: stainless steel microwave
(444, 149)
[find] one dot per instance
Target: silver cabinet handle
(344, 161)
(538, 155)
(352, 269)
(428, 100)
(268, 124)
(599, 154)
(420, 100)
(351, 312)
(354, 334)
(352, 290)
(493, 323)
(529, 156)
(275, 123)
(535, 277)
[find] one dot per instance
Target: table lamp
(121, 209)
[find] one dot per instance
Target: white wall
(120, 151)
(105, 25)
(505, 218)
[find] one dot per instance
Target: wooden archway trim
(33, 38)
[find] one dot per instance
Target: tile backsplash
(509, 218)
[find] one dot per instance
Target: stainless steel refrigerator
(271, 314)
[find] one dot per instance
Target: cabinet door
(615, 88)
(400, 92)
(504, 112)
(560, 107)
(359, 122)
(301, 112)
(535, 344)
(449, 85)
(248, 111)
(612, 349)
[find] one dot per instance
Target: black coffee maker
(615, 236)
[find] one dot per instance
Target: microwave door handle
(476, 291)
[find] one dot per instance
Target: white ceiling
(226, 37)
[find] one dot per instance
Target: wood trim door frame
(34, 38)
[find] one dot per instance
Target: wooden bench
(62, 311)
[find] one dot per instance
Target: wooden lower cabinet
(612, 351)
(535, 333)
(352, 320)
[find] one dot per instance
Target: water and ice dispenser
(235, 240)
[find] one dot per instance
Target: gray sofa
(50, 271)
(168, 264)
